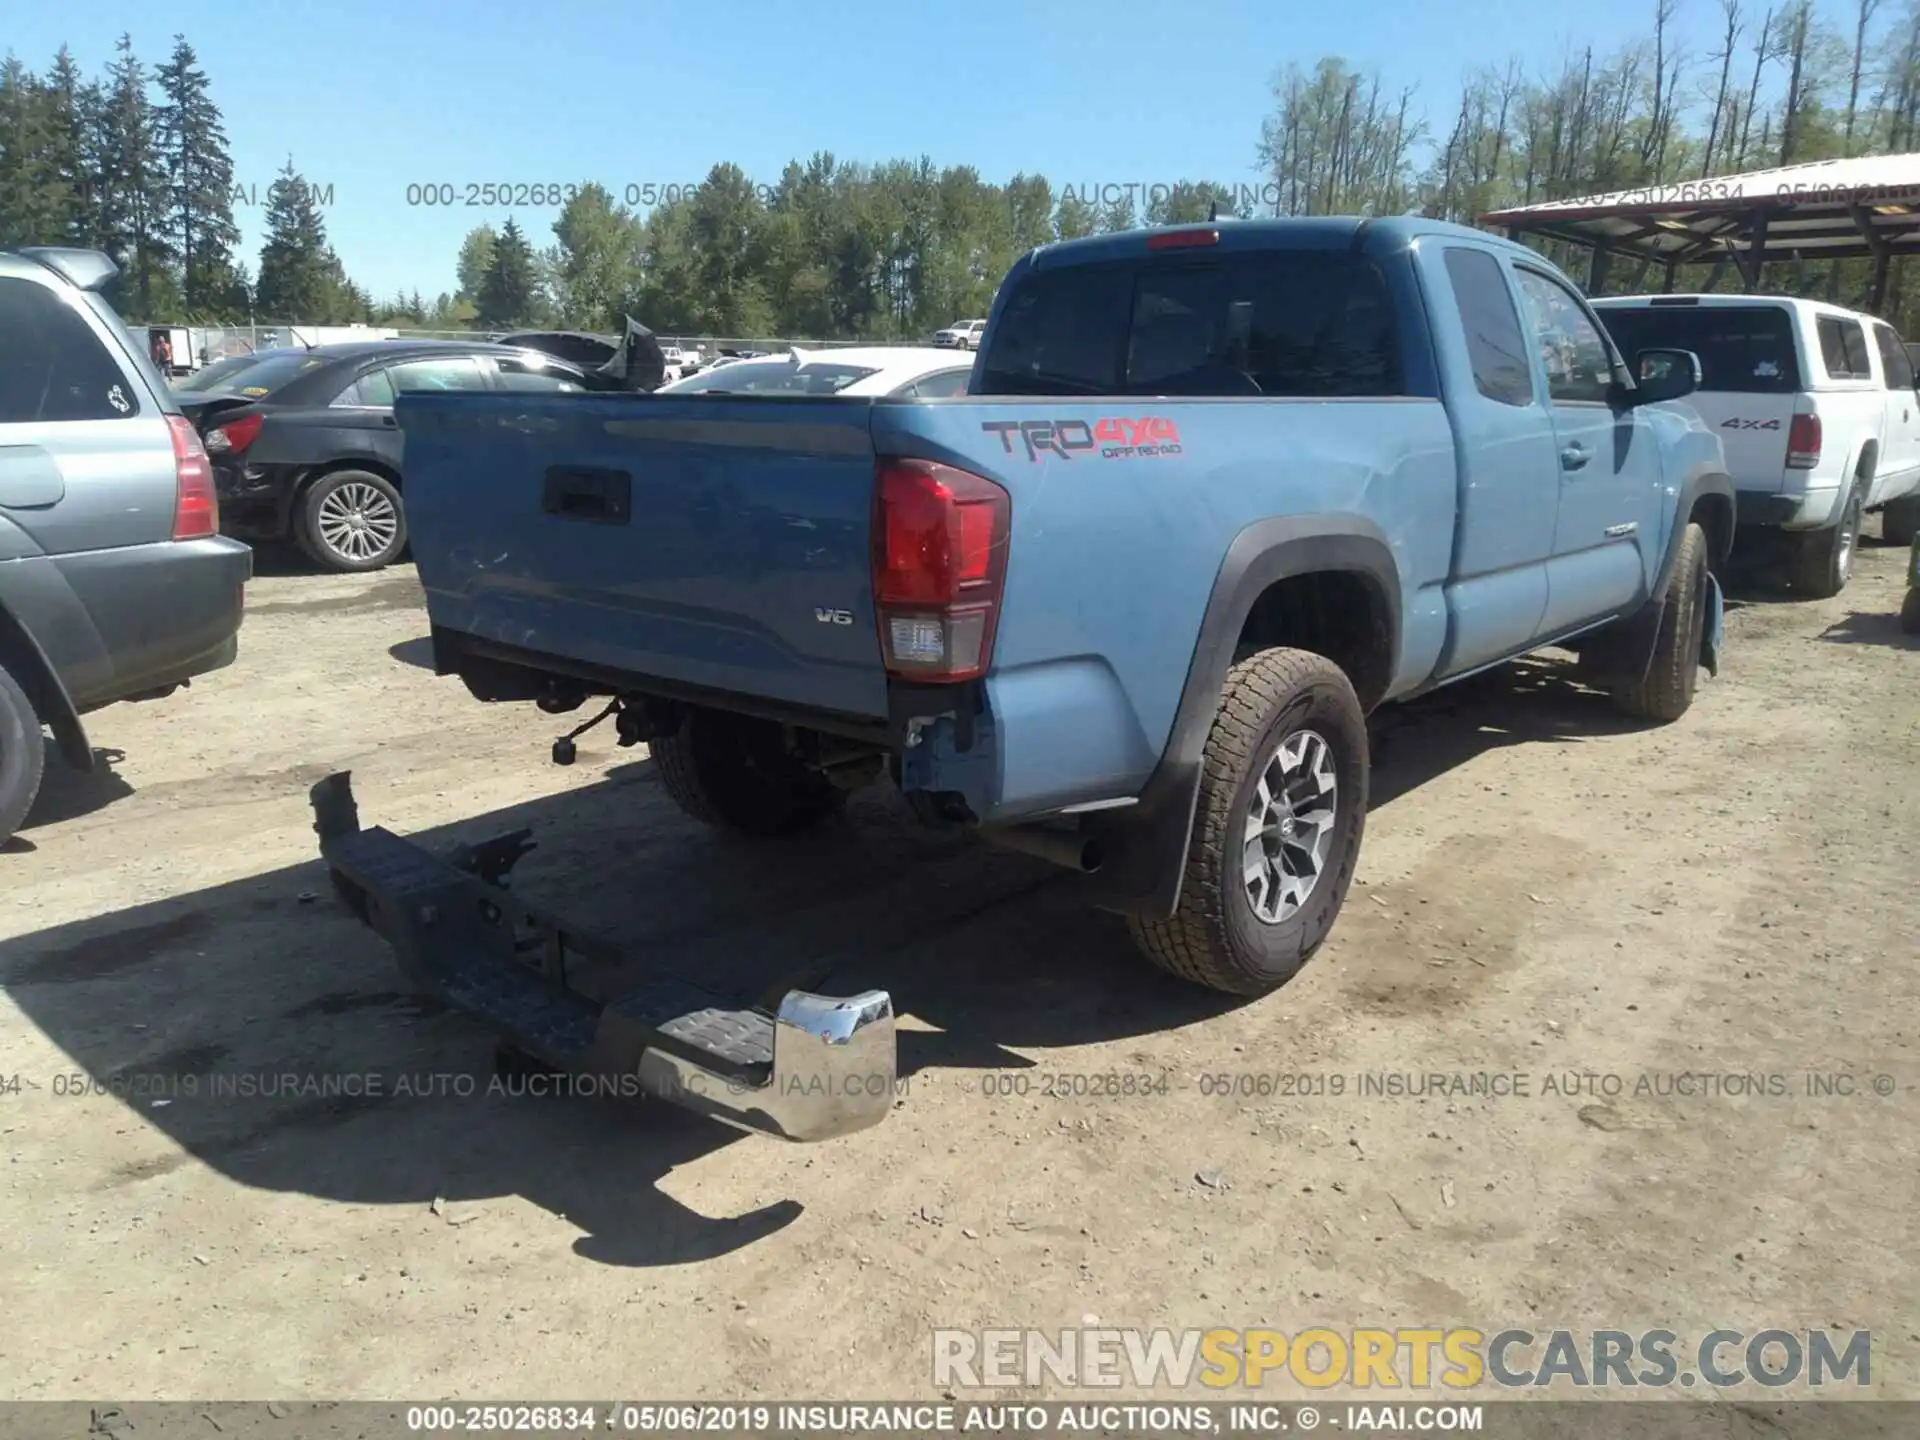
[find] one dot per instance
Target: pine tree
(132, 184)
(297, 279)
(192, 144)
(507, 293)
(72, 102)
(27, 214)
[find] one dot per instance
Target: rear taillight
(1803, 442)
(196, 508)
(235, 436)
(939, 565)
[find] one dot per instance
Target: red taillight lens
(235, 436)
(939, 564)
(1177, 239)
(196, 508)
(1803, 442)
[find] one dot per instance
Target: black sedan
(305, 446)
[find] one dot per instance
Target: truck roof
(1317, 232)
(1785, 302)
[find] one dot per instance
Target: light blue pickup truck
(1215, 493)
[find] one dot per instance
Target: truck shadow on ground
(275, 1028)
(68, 794)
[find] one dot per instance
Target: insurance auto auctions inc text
(1401, 1358)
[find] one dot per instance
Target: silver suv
(115, 583)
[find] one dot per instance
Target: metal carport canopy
(1867, 207)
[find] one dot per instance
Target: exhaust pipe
(1060, 847)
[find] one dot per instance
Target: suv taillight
(939, 565)
(235, 436)
(1803, 442)
(196, 508)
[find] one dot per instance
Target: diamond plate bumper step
(816, 1068)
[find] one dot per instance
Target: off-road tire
(306, 525)
(1822, 560)
(1215, 938)
(731, 771)
(23, 755)
(1665, 692)
(1900, 520)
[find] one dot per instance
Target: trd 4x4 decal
(1112, 438)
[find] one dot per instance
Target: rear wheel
(1276, 835)
(352, 521)
(733, 771)
(23, 755)
(1823, 559)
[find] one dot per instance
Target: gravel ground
(1546, 891)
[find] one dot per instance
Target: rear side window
(1743, 349)
(52, 366)
(261, 380)
(1893, 358)
(1495, 346)
(1843, 349)
(1277, 323)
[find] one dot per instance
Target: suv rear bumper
(160, 614)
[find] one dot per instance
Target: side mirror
(1663, 374)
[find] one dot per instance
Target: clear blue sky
(369, 98)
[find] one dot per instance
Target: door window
(527, 377)
(1895, 368)
(1573, 351)
(456, 372)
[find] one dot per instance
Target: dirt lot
(1544, 890)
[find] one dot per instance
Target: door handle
(389, 422)
(1573, 457)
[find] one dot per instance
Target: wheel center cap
(1286, 825)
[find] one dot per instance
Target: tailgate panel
(1753, 430)
(713, 542)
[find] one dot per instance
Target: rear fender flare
(1145, 845)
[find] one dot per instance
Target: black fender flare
(23, 658)
(1620, 653)
(1143, 846)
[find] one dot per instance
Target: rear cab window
(1282, 323)
(1743, 349)
(53, 366)
(1495, 346)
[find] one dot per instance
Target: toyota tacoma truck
(1214, 493)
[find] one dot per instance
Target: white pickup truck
(1815, 407)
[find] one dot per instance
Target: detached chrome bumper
(818, 1068)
